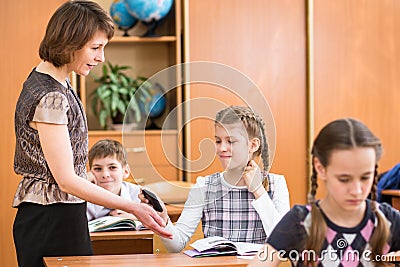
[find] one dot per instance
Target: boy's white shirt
(128, 191)
(270, 211)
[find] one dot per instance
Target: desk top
(148, 260)
(174, 211)
(122, 235)
(152, 260)
(391, 192)
(393, 258)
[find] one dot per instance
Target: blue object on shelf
(121, 16)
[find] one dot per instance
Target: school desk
(129, 242)
(122, 242)
(395, 196)
(395, 259)
(147, 260)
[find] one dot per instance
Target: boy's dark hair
(107, 148)
(70, 28)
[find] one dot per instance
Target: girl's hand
(253, 179)
(163, 214)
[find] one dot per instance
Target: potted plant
(116, 93)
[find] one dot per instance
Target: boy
(108, 164)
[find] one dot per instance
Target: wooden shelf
(139, 132)
(154, 154)
(137, 39)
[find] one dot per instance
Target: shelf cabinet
(153, 154)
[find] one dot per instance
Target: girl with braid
(344, 228)
(243, 203)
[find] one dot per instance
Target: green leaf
(113, 78)
(94, 105)
(114, 88)
(123, 90)
(104, 94)
(121, 107)
(117, 91)
(114, 102)
(105, 71)
(103, 119)
(133, 105)
(107, 105)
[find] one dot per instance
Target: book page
(224, 245)
(212, 242)
(244, 248)
(109, 223)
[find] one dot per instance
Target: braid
(254, 125)
(265, 157)
(318, 226)
(374, 185)
(381, 233)
(313, 188)
(264, 149)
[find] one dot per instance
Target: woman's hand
(151, 219)
(163, 214)
(121, 213)
(253, 179)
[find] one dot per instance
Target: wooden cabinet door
(152, 156)
(357, 67)
(265, 40)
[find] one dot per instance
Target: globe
(121, 17)
(150, 12)
(154, 105)
(157, 105)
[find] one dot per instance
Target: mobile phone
(152, 199)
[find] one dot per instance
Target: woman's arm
(272, 211)
(56, 145)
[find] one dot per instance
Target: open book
(216, 245)
(114, 223)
